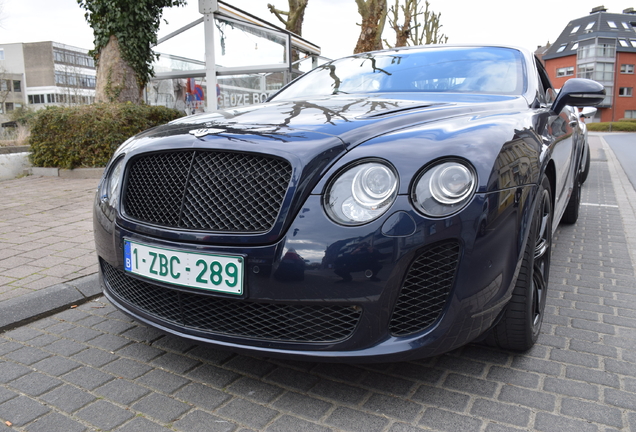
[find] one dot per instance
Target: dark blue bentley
(384, 206)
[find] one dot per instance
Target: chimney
(629, 11)
(598, 9)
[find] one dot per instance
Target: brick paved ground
(91, 368)
(45, 233)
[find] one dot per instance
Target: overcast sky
(330, 24)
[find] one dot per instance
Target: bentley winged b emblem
(205, 131)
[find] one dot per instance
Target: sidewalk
(47, 253)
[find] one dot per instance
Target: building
(600, 46)
(45, 73)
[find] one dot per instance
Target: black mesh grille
(207, 190)
(278, 322)
(426, 288)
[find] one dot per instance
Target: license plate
(212, 272)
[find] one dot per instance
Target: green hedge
(87, 135)
(619, 126)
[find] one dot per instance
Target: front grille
(268, 321)
(207, 190)
(426, 289)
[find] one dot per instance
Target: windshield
(490, 70)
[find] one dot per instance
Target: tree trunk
(294, 21)
(373, 13)
(116, 80)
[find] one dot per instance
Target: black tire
(586, 166)
(571, 214)
(519, 327)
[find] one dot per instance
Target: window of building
(627, 68)
(633, 42)
(565, 71)
(626, 26)
(561, 48)
(589, 25)
(5, 85)
(17, 86)
(623, 43)
(9, 106)
(630, 114)
(625, 91)
(1, 53)
(575, 46)
(37, 99)
(596, 71)
(575, 29)
(612, 24)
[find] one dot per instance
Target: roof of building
(618, 27)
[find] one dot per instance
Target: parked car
(384, 206)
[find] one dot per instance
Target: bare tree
(294, 18)
(373, 13)
(421, 26)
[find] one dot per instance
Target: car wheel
(519, 327)
(586, 167)
(571, 214)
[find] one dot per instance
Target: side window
(546, 92)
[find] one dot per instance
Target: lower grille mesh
(270, 321)
(426, 289)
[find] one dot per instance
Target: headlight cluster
(109, 192)
(361, 193)
(444, 188)
(366, 190)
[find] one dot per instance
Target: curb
(47, 301)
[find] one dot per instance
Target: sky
(330, 24)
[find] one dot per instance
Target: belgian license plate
(221, 273)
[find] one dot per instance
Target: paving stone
(122, 391)
(140, 424)
(211, 355)
(27, 355)
(441, 420)
(393, 407)
(401, 427)
(35, 383)
(65, 347)
(104, 415)
(293, 379)
(508, 414)
(357, 421)
(87, 377)
(575, 358)
(127, 368)
(140, 352)
(256, 390)
(22, 334)
(546, 422)
(6, 394)
(160, 407)
(621, 399)
(163, 381)
(81, 334)
(95, 357)
(109, 342)
(417, 372)
(43, 340)
(528, 398)
(68, 398)
(514, 377)
(202, 396)
(338, 392)
(248, 413)
(592, 412)
(387, 383)
(55, 422)
(467, 384)
(143, 334)
(174, 343)
(212, 375)
(175, 363)
(302, 405)
(7, 347)
(199, 421)
(22, 410)
(250, 366)
(442, 398)
(571, 388)
(10, 371)
(113, 326)
(294, 424)
(592, 376)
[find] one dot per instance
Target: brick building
(600, 46)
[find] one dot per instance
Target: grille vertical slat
(426, 288)
(220, 191)
(265, 321)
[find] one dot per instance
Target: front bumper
(334, 305)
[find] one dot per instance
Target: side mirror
(579, 92)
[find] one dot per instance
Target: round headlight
(112, 182)
(444, 188)
(361, 193)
